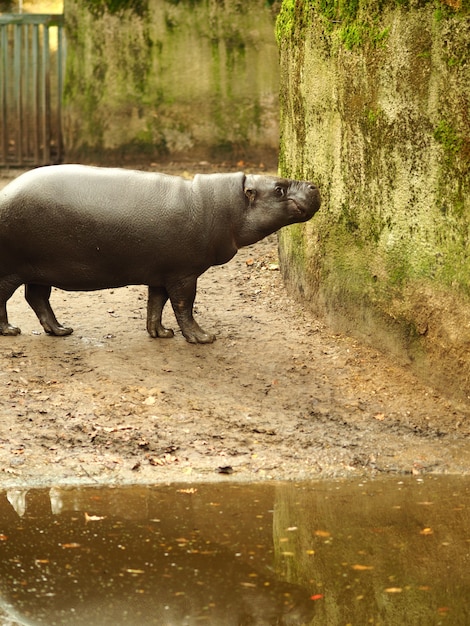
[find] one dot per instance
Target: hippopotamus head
(272, 203)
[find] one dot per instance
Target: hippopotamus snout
(304, 200)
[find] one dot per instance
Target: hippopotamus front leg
(37, 297)
(8, 286)
(156, 301)
(182, 294)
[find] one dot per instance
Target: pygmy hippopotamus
(83, 228)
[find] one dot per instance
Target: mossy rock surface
(164, 78)
(382, 124)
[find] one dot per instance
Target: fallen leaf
(322, 533)
(393, 590)
(113, 429)
(166, 460)
(93, 518)
(69, 545)
(362, 568)
(426, 531)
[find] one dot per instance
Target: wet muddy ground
(278, 395)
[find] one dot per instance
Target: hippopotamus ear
(250, 194)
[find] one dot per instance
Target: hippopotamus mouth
(299, 210)
(303, 209)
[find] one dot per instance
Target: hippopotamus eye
(279, 191)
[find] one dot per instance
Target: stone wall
(178, 78)
(375, 109)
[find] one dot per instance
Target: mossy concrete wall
(178, 78)
(375, 109)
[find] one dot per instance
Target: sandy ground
(277, 396)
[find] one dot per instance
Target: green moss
(360, 33)
(289, 18)
(373, 115)
(297, 237)
(449, 138)
(357, 22)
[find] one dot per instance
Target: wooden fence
(32, 52)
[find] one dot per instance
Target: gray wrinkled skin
(83, 228)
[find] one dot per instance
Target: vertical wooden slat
(25, 89)
(4, 88)
(46, 95)
(35, 104)
(60, 69)
(18, 94)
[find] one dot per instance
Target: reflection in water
(166, 555)
(378, 552)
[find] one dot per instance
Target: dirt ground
(277, 396)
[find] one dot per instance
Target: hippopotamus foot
(182, 294)
(8, 329)
(161, 332)
(37, 297)
(8, 286)
(156, 301)
(58, 330)
(195, 334)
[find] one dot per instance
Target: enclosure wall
(375, 109)
(154, 78)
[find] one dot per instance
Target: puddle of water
(383, 552)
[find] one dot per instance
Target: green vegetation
(356, 22)
(116, 7)
(449, 138)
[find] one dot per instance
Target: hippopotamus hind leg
(37, 297)
(8, 286)
(156, 301)
(182, 294)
